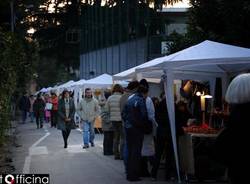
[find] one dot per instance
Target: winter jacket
(38, 106)
(113, 107)
(62, 125)
(24, 103)
(89, 109)
(128, 116)
(54, 101)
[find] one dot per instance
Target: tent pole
(212, 84)
(225, 83)
(168, 88)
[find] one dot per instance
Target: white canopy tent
(63, 86)
(44, 90)
(204, 61)
(102, 81)
(131, 74)
(99, 82)
(78, 83)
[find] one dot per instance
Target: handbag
(48, 106)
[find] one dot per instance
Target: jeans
(24, 116)
(134, 140)
(88, 133)
(31, 114)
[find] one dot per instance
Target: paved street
(42, 151)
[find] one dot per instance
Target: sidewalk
(42, 152)
(6, 150)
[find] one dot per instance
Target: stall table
(195, 160)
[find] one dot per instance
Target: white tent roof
(65, 85)
(43, 90)
(212, 57)
(78, 83)
(104, 80)
(131, 73)
(208, 56)
(205, 60)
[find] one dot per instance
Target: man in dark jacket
(134, 115)
(24, 106)
(163, 143)
(38, 108)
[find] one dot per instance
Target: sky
(183, 4)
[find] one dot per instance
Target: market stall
(205, 61)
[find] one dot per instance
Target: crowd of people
(136, 130)
(136, 127)
(40, 108)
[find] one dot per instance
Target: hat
(238, 91)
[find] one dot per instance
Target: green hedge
(16, 65)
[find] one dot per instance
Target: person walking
(31, 111)
(38, 108)
(88, 110)
(54, 101)
(24, 106)
(48, 108)
(113, 107)
(66, 112)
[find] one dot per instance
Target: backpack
(145, 125)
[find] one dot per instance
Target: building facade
(124, 55)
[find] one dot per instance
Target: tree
(220, 20)
(17, 59)
(55, 24)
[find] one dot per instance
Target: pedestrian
(48, 107)
(163, 143)
(38, 108)
(54, 116)
(231, 144)
(113, 107)
(89, 110)
(107, 128)
(134, 115)
(31, 111)
(66, 112)
(24, 106)
(130, 90)
(148, 147)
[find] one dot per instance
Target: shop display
(203, 129)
